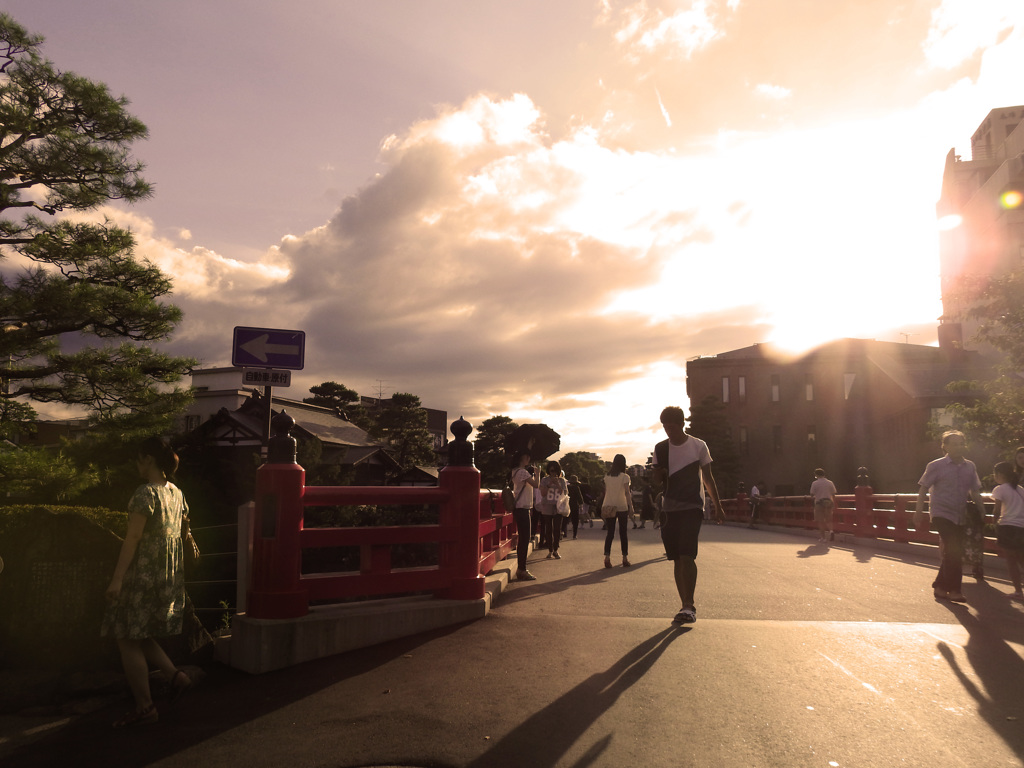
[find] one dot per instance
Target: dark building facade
(846, 404)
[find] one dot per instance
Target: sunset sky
(543, 209)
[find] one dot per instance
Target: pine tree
(77, 308)
(489, 450)
(401, 424)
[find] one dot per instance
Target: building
(217, 388)
(847, 404)
(981, 218)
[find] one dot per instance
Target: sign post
(263, 350)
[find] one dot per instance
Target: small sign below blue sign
(268, 348)
(266, 377)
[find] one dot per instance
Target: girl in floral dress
(146, 596)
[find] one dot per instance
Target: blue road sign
(268, 348)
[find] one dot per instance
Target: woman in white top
(616, 504)
(524, 480)
(1009, 514)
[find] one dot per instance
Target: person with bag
(947, 484)
(575, 506)
(146, 596)
(616, 505)
(524, 479)
(1009, 513)
(554, 498)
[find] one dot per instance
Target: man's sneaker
(525, 576)
(557, 556)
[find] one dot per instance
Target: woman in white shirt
(1009, 514)
(524, 480)
(616, 504)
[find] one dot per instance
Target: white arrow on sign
(260, 347)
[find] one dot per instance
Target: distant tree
(401, 423)
(489, 450)
(992, 411)
(340, 398)
(588, 467)
(708, 422)
(64, 148)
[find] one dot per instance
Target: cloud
(641, 29)
(961, 28)
(493, 267)
(480, 270)
(772, 91)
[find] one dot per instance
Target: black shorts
(1011, 538)
(680, 531)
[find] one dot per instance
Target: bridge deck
(802, 656)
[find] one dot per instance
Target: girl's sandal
(147, 716)
(180, 683)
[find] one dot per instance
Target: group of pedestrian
(682, 469)
(950, 484)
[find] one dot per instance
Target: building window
(192, 422)
(744, 442)
(809, 387)
(741, 388)
(942, 417)
(812, 435)
(725, 389)
(775, 387)
(777, 439)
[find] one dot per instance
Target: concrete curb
(263, 645)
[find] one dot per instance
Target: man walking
(682, 467)
(948, 483)
(824, 492)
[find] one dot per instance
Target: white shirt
(1012, 512)
(520, 485)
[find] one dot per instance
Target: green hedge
(15, 517)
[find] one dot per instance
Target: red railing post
(864, 503)
(461, 514)
(274, 591)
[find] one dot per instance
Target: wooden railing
(865, 514)
(472, 534)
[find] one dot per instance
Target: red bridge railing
(473, 533)
(864, 514)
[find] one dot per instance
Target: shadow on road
(816, 549)
(226, 700)
(544, 587)
(547, 735)
(993, 625)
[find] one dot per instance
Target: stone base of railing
(263, 645)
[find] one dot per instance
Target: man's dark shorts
(680, 532)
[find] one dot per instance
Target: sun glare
(1011, 199)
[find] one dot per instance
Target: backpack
(508, 498)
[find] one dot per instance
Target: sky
(543, 209)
